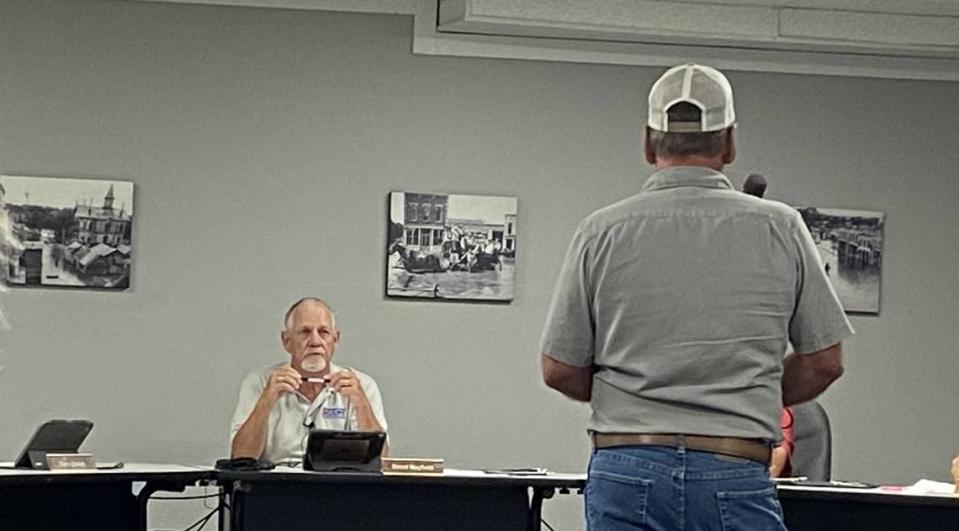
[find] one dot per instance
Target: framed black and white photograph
(67, 232)
(451, 246)
(850, 244)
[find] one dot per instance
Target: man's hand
(284, 380)
(346, 383)
(777, 461)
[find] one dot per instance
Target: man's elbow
(239, 449)
(829, 365)
(570, 380)
(556, 375)
(834, 371)
(552, 378)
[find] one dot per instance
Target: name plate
(65, 462)
(411, 466)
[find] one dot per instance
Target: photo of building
(850, 245)
(451, 246)
(86, 245)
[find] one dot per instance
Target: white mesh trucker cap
(703, 86)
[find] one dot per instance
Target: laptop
(53, 436)
(334, 450)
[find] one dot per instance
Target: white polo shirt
(291, 418)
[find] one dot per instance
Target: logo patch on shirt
(334, 412)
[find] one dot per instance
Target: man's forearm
(579, 388)
(365, 419)
(806, 376)
(250, 439)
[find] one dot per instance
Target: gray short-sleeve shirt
(684, 297)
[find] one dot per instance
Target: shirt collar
(676, 176)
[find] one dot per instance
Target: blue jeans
(656, 488)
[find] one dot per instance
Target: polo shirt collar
(677, 176)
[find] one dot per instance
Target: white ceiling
(928, 7)
(359, 6)
(844, 26)
(880, 38)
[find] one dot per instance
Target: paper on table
(928, 486)
(795, 479)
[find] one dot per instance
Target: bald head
(288, 316)
(755, 185)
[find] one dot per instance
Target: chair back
(812, 454)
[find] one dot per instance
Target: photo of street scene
(850, 244)
(67, 232)
(451, 246)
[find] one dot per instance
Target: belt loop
(681, 443)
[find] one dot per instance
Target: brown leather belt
(734, 446)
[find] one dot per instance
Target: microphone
(755, 185)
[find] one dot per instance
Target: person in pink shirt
(780, 464)
(955, 472)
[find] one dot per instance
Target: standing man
(278, 407)
(671, 317)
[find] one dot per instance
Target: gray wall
(263, 144)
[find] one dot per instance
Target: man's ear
(729, 151)
(648, 148)
(285, 340)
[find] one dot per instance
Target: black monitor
(53, 436)
(333, 450)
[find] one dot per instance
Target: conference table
(465, 500)
(40, 500)
(853, 509)
(473, 501)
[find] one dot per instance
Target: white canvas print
(850, 245)
(451, 246)
(67, 232)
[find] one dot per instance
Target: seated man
(280, 404)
